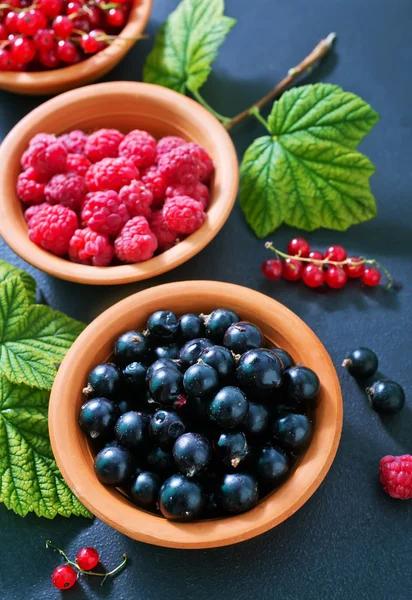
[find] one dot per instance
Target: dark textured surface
(349, 539)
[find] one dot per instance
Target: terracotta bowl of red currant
(115, 190)
(50, 46)
(206, 414)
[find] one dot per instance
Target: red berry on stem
(82, 24)
(272, 268)
(95, 16)
(11, 22)
(313, 276)
(51, 8)
(352, 269)
(292, 269)
(87, 558)
(29, 22)
(44, 39)
(63, 26)
(336, 254)
(73, 8)
(64, 577)
(315, 255)
(371, 276)
(22, 50)
(115, 17)
(48, 58)
(6, 61)
(66, 51)
(89, 44)
(4, 32)
(299, 247)
(336, 277)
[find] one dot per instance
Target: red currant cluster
(87, 558)
(332, 268)
(46, 34)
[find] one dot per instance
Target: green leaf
(13, 307)
(187, 44)
(7, 270)
(307, 173)
(29, 478)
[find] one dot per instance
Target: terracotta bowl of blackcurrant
(195, 414)
(52, 46)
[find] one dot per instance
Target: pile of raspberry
(46, 34)
(109, 198)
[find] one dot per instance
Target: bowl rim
(65, 76)
(226, 164)
(110, 506)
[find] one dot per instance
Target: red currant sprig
(65, 576)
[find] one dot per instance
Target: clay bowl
(125, 106)
(73, 453)
(56, 81)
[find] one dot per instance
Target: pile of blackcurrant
(195, 417)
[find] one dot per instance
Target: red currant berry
(95, 16)
(371, 276)
(292, 269)
(336, 253)
(4, 32)
(25, 3)
(87, 558)
(11, 22)
(51, 8)
(44, 39)
(299, 247)
(63, 26)
(64, 577)
(29, 22)
(315, 255)
(6, 62)
(48, 58)
(272, 268)
(22, 50)
(82, 24)
(66, 51)
(352, 269)
(336, 277)
(89, 44)
(74, 8)
(313, 276)
(115, 17)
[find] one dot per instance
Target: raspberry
(90, 248)
(169, 143)
(205, 160)
(165, 237)
(137, 198)
(111, 174)
(183, 214)
(34, 210)
(74, 141)
(103, 143)
(198, 191)
(180, 166)
(140, 147)
(48, 138)
(53, 227)
(46, 158)
(136, 241)
(68, 189)
(28, 189)
(105, 213)
(396, 476)
(78, 163)
(156, 182)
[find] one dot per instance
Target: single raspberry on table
(79, 163)
(198, 191)
(46, 157)
(180, 166)
(34, 210)
(103, 143)
(169, 143)
(138, 199)
(111, 174)
(90, 248)
(183, 214)
(74, 141)
(28, 189)
(396, 476)
(156, 182)
(53, 227)
(140, 147)
(104, 212)
(136, 241)
(166, 238)
(68, 189)
(206, 162)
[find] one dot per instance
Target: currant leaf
(7, 270)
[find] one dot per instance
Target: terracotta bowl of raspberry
(124, 106)
(62, 78)
(75, 455)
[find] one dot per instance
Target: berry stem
(255, 112)
(224, 120)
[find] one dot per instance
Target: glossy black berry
(243, 336)
(103, 381)
(386, 396)
(272, 465)
(192, 350)
(221, 359)
(232, 448)
(256, 421)
(189, 327)
(292, 432)
(361, 363)
(162, 325)
(166, 386)
(114, 465)
(301, 384)
(132, 430)
(165, 427)
(172, 351)
(192, 453)
(238, 493)
(218, 322)
(98, 417)
(161, 460)
(284, 357)
(200, 381)
(130, 347)
(159, 364)
(181, 499)
(229, 407)
(134, 377)
(144, 490)
(259, 371)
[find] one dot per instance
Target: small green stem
(255, 112)
(202, 101)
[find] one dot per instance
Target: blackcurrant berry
(162, 325)
(218, 322)
(386, 396)
(232, 448)
(292, 432)
(114, 465)
(165, 427)
(190, 327)
(284, 357)
(361, 363)
(229, 407)
(144, 490)
(132, 430)
(131, 346)
(103, 381)
(191, 351)
(166, 386)
(243, 336)
(161, 460)
(221, 359)
(259, 371)
(98, 417)
(160, 364)
(134, 377)
(200, 381)
(301, 384)
(257, 419)
(238, 493)
(272, 464)
(172, 351)
(181, 499)
(192, 453)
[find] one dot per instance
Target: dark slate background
(350, 538)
